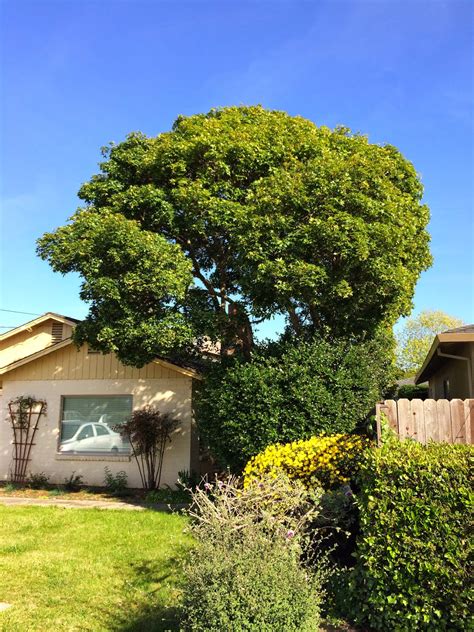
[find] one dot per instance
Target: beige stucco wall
(457, 373)
(27, 342)
(72, 371)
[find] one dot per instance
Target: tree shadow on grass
(154, 612)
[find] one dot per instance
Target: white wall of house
(171, 394)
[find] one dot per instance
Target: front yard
(87, 569)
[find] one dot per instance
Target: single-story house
(88, 395)
(448, 367)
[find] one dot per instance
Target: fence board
(405, 420)
(418, 416)
(429, 420)
(469, 417)
(392, 414)
(458, 423)
(444, 421)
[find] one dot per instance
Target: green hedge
(288, 392)
(415, 507)
(413, 391)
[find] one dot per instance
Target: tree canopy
(237, 215)
(416, 336)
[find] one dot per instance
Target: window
(91, 424)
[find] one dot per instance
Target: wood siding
(70, 363)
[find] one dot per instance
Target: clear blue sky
(78, 74)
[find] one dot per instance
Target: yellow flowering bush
(325, 460)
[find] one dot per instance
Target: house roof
(188, 371)
(447, 342)
(37, 321)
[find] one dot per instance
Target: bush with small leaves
(37, 481)
(246, 571)
(115, 483)
(74, 482)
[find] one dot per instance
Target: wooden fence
(451, 421)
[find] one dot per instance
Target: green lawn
(88, 569)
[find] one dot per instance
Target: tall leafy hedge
(288, 392)
(416, 528)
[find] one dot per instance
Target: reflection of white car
(94, 437)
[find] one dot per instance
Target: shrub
(148, 432)
(413, 391)
(115, 483)
(412, 556)
(37, 481)
(324, 461)
(74, 482)
(289, 392)
(188, 479)
(245, 572)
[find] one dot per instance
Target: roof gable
(64, 360)
(67, 320)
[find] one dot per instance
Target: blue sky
(78, 74)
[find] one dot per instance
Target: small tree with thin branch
(148, 432)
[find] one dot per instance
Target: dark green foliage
(287, 392)
(412, 570)
(37, 481)
(133, 280)
(412, 391)
(265, 213)
(74, 482)
(115, 483)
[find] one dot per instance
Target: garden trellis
(25, 414)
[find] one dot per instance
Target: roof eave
(454, 337)
(421, 376)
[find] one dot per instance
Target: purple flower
(207, 486)
(289, 534)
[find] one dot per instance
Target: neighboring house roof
(406, 381)
(446, 342)
(37, 321)
(189, 372)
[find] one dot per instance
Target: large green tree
(237, 215)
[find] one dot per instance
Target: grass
(78, 569)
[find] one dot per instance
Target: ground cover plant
(413, 553)
(90, 570)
